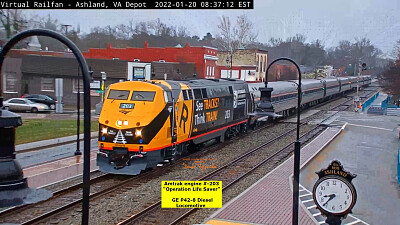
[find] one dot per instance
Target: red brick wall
(185, 54)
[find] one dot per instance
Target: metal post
(231, 62)
(296, 169)
(264, 104)
(78, 122)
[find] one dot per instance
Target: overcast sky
(327, 20)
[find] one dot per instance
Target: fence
(369, 101)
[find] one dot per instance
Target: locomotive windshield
(143, 96)
(118, 94)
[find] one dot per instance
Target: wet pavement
(58, 170)
(368, 147)
(51, 154)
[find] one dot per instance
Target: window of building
(47, 84)
(262, 64)
(75, 85)
(213, 71)
(138, 72)
(10, 82)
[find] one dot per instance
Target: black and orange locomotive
(144, 123)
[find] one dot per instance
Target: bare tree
(244, 31)
(182, 32)
(225, 40)
(125, 32)
(12, 20)
(234, 36)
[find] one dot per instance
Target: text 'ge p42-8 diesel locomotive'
(144, 123)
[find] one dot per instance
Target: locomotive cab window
(118, 94)
(197, 94)
(143, 96)
(204, 92)
(185, 95)
(190, 94)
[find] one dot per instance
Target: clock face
(334, 195)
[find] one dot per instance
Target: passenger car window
(118, 94)
(143, 96)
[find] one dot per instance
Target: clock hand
(330, 198)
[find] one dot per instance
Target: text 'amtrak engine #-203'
(145, 123)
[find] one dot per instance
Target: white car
(22, 104)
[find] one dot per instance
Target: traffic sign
(95, 84)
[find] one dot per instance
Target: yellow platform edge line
(226, 222)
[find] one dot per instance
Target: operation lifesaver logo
(191, 194)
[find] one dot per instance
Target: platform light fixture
(265, 107)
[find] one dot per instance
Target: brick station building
(247, 64)
(204, 59)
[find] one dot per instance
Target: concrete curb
(51, 142)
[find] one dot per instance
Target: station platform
(269, 201)
(55, 171)
(368, 147)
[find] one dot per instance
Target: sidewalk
(269, 201)
(367, 147)
(51, 142)
(68, 114)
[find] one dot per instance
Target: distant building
(247, 64)
(34, 72)
(204, 58)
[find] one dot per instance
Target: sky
(326, 20)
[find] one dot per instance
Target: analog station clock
(333, 193)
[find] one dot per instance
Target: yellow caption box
(191, 194)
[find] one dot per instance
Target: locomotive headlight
(125, 122)
(119, 122)
(138, 133)
(104, 130)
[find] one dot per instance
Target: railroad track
(101, 185)
(229, 174)
(70, 197)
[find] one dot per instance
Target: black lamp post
(78, 122)
(265, 108)
(86, 100)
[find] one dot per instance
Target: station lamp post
(78, 122)
(265, 107)
(15, 119)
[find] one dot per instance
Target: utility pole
(231, 62)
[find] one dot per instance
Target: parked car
(40, 98)
(23, 104)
